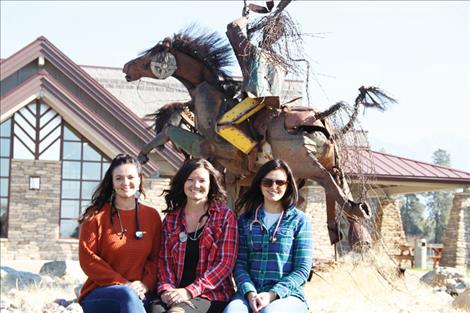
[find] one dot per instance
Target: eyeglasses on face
(267, 182)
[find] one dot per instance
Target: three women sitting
(270, 252)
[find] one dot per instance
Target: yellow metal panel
(237, 138)
(240, 111)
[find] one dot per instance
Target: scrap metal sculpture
(300, 136)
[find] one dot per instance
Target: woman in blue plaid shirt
(275, 245)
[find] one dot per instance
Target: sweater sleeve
(150, 269)
(97, 269)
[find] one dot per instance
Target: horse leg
(333, 229)
(160, 139)
(320, 174)
(185, 140)
(358, 235)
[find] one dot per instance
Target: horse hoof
(142, 158)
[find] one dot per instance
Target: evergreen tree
(412, 211)
(438, 203)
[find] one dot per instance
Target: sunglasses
(266, 182)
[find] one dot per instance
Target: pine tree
(412, 211)
(438, 203)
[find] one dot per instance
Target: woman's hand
(139, 288)
(263, 299)
(251, 297)
(175, 296)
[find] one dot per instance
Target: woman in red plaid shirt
(200, 243)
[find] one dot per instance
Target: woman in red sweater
(200, 243)
(119, 243)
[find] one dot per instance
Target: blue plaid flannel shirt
(282, 266)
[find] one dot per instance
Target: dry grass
(371, 283)
(359, 283)
(34, 299)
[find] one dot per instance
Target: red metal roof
(385, 166)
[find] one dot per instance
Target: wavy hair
(253, 197)
(104, 191)
(176, 198)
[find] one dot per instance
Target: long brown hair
(253, 197)
(104, 191)
(176, 198)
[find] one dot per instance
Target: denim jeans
(113, 299)
(239, 304)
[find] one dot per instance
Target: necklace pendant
(183, 236)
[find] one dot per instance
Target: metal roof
(399, 175)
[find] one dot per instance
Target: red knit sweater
(108, 260)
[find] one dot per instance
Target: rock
(53, 268)
(456, 286)
(439, 276)
(74, 307)
(68, 270)
(62, 302)
(462, 301)
(12, 279)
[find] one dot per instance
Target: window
(82, 169)
(5, 155)
(37, 131)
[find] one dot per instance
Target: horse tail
(162, 115)
(369, 97)
(331, 110)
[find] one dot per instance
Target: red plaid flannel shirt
(218, 248)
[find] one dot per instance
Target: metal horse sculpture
(301, 137)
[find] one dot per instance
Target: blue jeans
(113, 299)
(239, 304)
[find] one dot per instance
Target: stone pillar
(153, 192)
(388, 225)
(456, 241)
(315, 208)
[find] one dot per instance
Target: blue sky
(419, 52)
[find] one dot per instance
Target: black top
(191, 257)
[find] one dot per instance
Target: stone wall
(456, 241)
(33, 221)
(388, 225)
(315, 208)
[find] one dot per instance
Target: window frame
(8, 177)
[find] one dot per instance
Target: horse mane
(162, 115)
(210, 48)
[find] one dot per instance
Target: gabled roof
(399, 175)
(75, 110)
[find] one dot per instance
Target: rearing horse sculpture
(198, 62)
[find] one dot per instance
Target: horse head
(190, 58)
